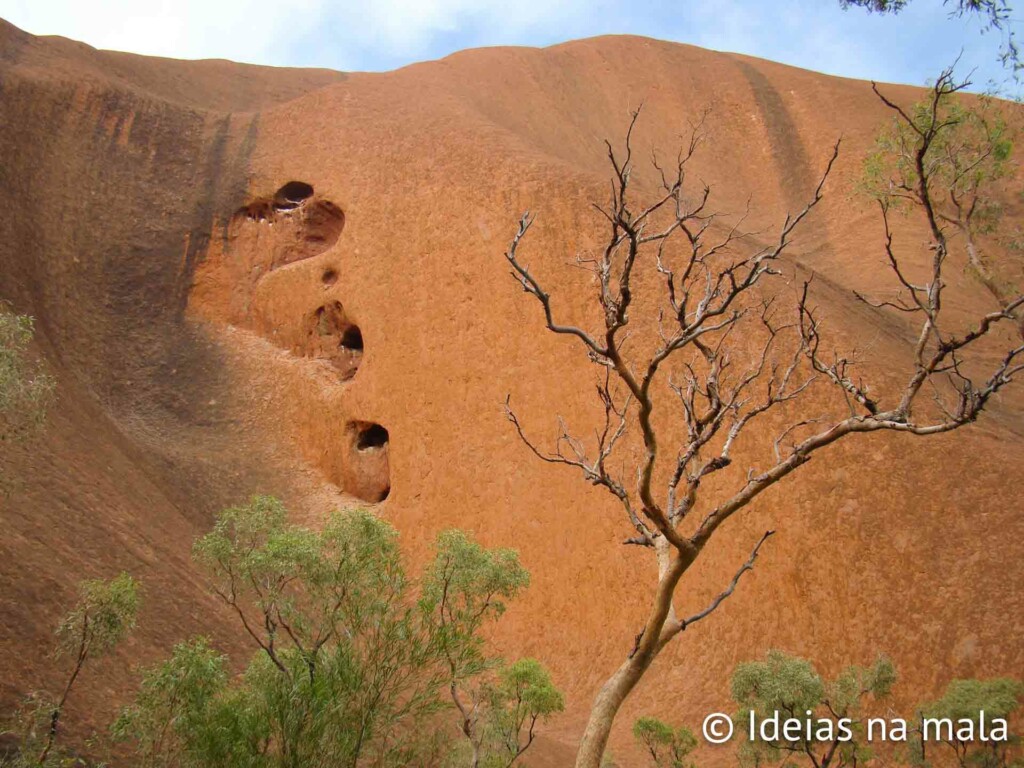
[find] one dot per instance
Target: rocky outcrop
(287, 281)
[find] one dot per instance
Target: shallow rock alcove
(367, 471)
(331, 336)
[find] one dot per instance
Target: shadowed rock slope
(290, 281)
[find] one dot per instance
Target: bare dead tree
(719, 292)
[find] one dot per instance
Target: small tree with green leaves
(523, 696)
(668, 747)
(101, 619)
(946, 156)
(175, 698)
(301, 590)
(465, 587)
(964, 702)
(791, 687)
(25, 389)
(346, 671)
(352, 659)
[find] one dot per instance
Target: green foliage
(102, 617)
(174, 699)
(353, 661)
(347, 667)
(791, 687)
(876, 6)
(780, 682)
(667, 747)
(189, 713)
(964, 699)
(847, 691)
(994, 11)
(969, 147)
(527, 683)
(949, 159)
(28, 732)
(465, 587)
(301, 587)
(523, 696)
(963, 702)
(25, 390)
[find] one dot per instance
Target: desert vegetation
(356, 663)
(26, 390)
(100, 620)
(667, 747)
(788, 714)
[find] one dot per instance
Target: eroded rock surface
(297, 231)
(288, 281)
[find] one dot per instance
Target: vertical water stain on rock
(792, 166)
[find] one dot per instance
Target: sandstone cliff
(290, 281)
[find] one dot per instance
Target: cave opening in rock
(365, 471)
(331, 336)
(329, 277)
(371, 436)
(352, 339)
(292, 195)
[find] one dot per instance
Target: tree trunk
(604, 709)
(83, 652)
(660, 628)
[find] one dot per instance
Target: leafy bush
(667, 747)
(789, 687)
(101, 619)
(25, 390)
(963, 702)
(355, 663)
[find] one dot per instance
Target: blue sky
(385, 34)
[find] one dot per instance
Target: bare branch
(727, 592)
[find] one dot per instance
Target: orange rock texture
(291, 281)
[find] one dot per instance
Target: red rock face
(286, 281)
(307, 319)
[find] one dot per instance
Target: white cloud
(268, 32)
(243, 30)
(802, 34)
(393, 32)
